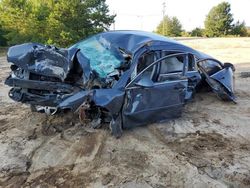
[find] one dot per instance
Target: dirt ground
(209, 146)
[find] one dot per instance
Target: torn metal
(124, 78)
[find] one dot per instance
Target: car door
(157, 93)
(219, 77)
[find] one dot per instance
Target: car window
(171, 68)
(210, 66)
(191, 59)
(143, 62)
(103, 57)
(172, 65)
(168, 69)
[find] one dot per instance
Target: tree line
(64, 22)
(218, 23)
(58, 22)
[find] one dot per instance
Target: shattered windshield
(104, 58)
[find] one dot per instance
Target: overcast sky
(146, 14)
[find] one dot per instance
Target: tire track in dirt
(211, 153)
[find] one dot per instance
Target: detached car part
(125, 78)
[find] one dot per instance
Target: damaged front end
(39, 76)
(55, 80)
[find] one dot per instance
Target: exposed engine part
(46, 109)
(20, 73)
(82, 113)
(90, 115)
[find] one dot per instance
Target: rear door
(157, 93)
(219, 77)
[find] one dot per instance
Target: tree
(239, 29)
(219, 20)
(15, 16)
(169, 27)
(3, 40)
(197, 32)
(248, 31)
(185, 34)
(60, 22)
(73, 20)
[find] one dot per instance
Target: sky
(147, 14)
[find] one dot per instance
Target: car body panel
(221, 81)
(225, 77)
(156, 103)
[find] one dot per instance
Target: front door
(157, 93)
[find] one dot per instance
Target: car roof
(140, 36)
(132, 40)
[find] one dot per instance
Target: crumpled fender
(74, 102)
(111, 99)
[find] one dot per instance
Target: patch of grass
(3, 51)
(234, 50)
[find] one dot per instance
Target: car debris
(124, 78)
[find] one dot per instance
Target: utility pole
(163, 14)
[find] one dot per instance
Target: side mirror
(145, 82)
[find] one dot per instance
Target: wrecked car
(124, 78)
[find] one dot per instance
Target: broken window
(171, 68)
(172, 65)
(144, 61)
(210, 66)
(103, 57)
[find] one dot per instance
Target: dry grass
(234, 50)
